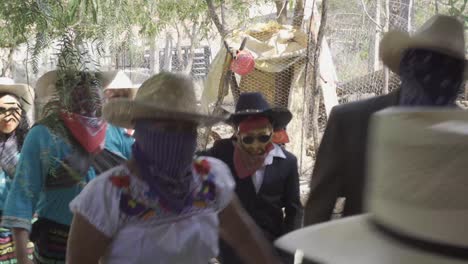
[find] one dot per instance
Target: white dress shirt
(258, 176)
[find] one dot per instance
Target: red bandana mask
(245, 163)
(90, 132)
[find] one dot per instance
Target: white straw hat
(24, 92)
(418, 161)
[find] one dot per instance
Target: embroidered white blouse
(142, 231)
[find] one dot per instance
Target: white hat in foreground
(416, 195)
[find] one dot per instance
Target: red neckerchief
(90, 132)
(280, 137)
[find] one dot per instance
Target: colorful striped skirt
(50, 240)
(7, 247)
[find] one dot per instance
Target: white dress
(142, 231)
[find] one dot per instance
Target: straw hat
(163, 96)
(24, 92)
(120, 80)
(416, 196)
(45, 85)
(444, 34)
(6, 80)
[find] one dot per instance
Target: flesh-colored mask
(10, 114)
(256, 141)
(118, 93)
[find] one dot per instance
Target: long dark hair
(23, 126)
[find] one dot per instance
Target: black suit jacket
(340, 166)
(280, 189)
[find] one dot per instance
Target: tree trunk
(214, 17)
(376, 62)
(223, 17)
(168, 53)
(179, 56)
(316, 76)
(281, 11)
(152, 55)
(193, 42)
(385, 89)
(298, 14)
(410, 15)
(7, 65)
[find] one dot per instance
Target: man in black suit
(432, 71)
(266, 175)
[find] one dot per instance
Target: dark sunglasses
(251, 139)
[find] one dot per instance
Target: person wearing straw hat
(267, 178)
(162, 206)
(15, 101)
(432, 67)
(61, 153)
(120, 87)
(416, 196)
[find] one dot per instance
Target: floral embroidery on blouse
(146, 205)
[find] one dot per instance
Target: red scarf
(90, 132)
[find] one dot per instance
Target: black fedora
(252, 104)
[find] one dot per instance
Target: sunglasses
(251, 139)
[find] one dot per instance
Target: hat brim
(279, 116)
(124, 113)
(394, 43)
(24, 92)
(354, 240)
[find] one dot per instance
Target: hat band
(443, 249)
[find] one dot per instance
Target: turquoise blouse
(117, 138)
(5, 183)
(42, 151)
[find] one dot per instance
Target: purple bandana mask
(165, 162)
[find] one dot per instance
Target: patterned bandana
(165, 162)
(429, 78)
(90, 132)
(8, 154)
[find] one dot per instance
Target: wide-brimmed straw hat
(23, 92)
(416, 196)
(253, 103)
(165, 96)
(443, 34)
(45, 85)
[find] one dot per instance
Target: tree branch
(215, 18)
(370, 17)
(298, 14)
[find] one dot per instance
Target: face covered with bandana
(254, 142)
(163, 153)
(430, 78)
(83, 118)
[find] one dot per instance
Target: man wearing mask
(267, 179)
(432, 67)
(60, 155)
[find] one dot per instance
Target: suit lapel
(267, 176)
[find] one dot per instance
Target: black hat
(252, 104)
